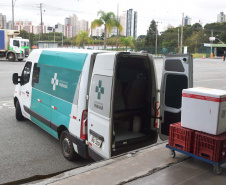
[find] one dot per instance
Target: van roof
(88, 51)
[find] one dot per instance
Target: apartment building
(221, 17)
(2, 21)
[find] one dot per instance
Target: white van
(100, 104)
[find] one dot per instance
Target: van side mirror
(16, 79)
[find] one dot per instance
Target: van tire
(19, 115)
(66, 146)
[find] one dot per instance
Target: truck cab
(18, 49)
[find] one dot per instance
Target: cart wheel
(172, 153)
(217, 170)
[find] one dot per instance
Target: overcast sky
(163, 11)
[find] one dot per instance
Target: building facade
(122, 21)
(73, 26)
(187, 21)
(97, 31)
(59, 28)
(83, 25)
(2, 21)
(24, 25)
(128, 20)
(221, 17)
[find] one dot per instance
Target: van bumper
(81, 145)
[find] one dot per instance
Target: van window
(35, 77)
(174, 86)
(26, 72)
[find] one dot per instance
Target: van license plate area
(96, 141)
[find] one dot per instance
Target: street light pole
(156, 39)
(178, 40)
(62, 36)
(211, 54)
(12, 26)
(41, 20)
(181, 42)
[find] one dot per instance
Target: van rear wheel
(67, 146)
(19, 115)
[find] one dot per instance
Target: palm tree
(106, 19)
(119, 28)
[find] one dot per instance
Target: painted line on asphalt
(7, 104)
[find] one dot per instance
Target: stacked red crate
(181, 138)
(212, 147)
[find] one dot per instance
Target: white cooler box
(204, 109)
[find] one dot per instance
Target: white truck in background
(13, 47)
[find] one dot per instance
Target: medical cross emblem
(99, 90)
(54, 81)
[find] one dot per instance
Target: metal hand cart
(217, 169)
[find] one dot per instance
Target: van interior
(132, 105)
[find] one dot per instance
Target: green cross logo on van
(99, 90)
(54, 81)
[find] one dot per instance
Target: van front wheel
(19, 115)
(67, 146)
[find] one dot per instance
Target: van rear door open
(177, 75)
(100, 107)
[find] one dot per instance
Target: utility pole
(41, 20)
(178, 40)
(12, 26)
(62, 36)
(156, 38)
(181, 42)
(211, 53)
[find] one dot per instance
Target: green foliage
(140, 43)
(127, 41)
(219, 30)
(82, 38)
(151, 34)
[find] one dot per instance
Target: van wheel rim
(66, 146)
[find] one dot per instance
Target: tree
(218, 30)
(127, 41)
(150, 37)
(106, 19)
(140, 43)
(170, 38)
(82, 38)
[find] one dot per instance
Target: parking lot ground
(152, 165)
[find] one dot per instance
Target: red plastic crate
(181, 138)
(212, 147)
